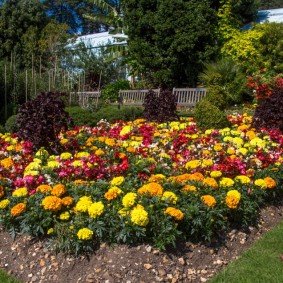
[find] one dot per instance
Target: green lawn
(5, 278)
(260, 264)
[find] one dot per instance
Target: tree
(270, 4)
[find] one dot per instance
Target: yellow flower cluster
(18, 209)
(151, 189)
(95, 209)
(129, 199)
(208, 200)
(20, 192)
(117, 181)
(192, 164)
(66, 155)
(211, 182)
(139, 216)
(85, 234)
(44, 188)
(233, 198)
(52, 203)
(4, 203)
(126, 130)
(83, 204)
(7, 163)
(243, 179)
(170, 197)
(226, 182)
(175, 213)
(215, 174)
(266, 183)
(65, 216)
(157, 178)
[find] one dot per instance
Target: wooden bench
(134, 97)
(188, 97)
(86, 97)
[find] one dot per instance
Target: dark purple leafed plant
(41, 120)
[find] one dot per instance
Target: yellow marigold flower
(270, 182)
(243, 179)
(52, 203)
(126, 130)
(58, 190)
(20, 192)
(66, 155)
(189, 188)
(175, 213)
(130, 149)
(82, 154)
(95, 209)
(243, 151)
(63, 141)
(2, 191)
(232, 199)
(117, 181)
(50, 231)
(83, 204)
(139, 217)
(112, 193)
(207, 163)
(85, 234)
(217, 147)
(258, 142)
(157, 178)
(7, 163)
(77, 163)
(31, 173)
(18, 209)
(99, 152)
(33, 166)
(53, 164)
(242, 128)
(44, 188)
(226, 182)
(231, 150)
(4, 203)
(110, 142)
(238, 142)
(81, 182)
(65, 215)
(211, 182)
(153, 189)
(129, 199)
(192, 164)
(260, 183)
(67, 201)
(250, 134)
(208, 200)
(170, 197)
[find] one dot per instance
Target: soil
(31, 261)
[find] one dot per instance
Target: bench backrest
(189, 96)
(134, 96)
(85, 97)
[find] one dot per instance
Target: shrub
(2, 129)
(10, 125)
(209, 116)
(217, 96)
(269, 112)
(81, 116)
(110, 92)
(160, 108)
(41, 120)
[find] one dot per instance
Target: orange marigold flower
(198, 177)
(153, 189)
(189, 188)
(250, 172)
(157, 178)
(270, 183)
(7, 163)
(112, 193)
(67, 201)
(2, 192)
(18, 209)
(44, 188)
(232, 199)
(58, 190)
(211, 182)
(81, 182)
(208, 200)
(52, 203)
(181, 178)
(175, 213)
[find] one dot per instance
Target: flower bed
(135, 182)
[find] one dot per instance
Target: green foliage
(4, 278)
(81, 116)
(10, 125)
(110, 92)
(209, 116)
(225, 77)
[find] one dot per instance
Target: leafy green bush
(10, 125)
(40, 121)
(209, 116)
(110, 92)
(217, 96)
(2, 129)
(81, 116)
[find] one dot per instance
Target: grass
(5, 278)
(259, 264)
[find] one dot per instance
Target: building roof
(272, 15)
